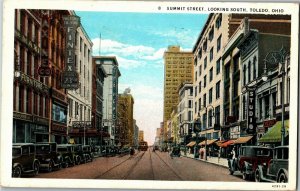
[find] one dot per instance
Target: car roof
(21, 144)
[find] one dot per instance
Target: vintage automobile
(248, 159)
(48, 156)
(276, 170)
(109, 151)
(175, 152)
(68, 154)
(24, 160)
(124, 150)
(81, 156)
(88, 152)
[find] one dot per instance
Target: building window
(59, 113)
(204, 100)
(254, 67)
(211, 74)
(195, 107)
(196, 76)
(200, 53)
(191, 92)
(211, 54)
(204, 121)
(200, 70)
(235, 88)
(249, 71)
(227, 71)
(274, 103)
(236, 63)
(190, 103)
(210, 95)
(260, 109)
(217, 115)
(219, 21)
(205, 45)
(211, 34)
(218, 66)
(200, 104)
(190, 116)
(205, 62)
(195, 91)
(80, 45)
(244, 107)
(219, 43)
(218, 89)
(215, 135)
(227, 94)
(200, 84)
(267, 107)
(244, 73)
(204, 81)
(70, 108)
(210, 118)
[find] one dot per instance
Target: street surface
(145, 166)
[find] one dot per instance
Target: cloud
(142, 91)
(128, 63)
(156, 55)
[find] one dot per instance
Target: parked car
(277, 169)
(248, 159)
(81, 156)
(175, 152)
(109, 151)
(68, 154)
(24, 160)
(48, 156)
(88, 152)
(124, 151)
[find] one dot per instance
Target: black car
(88, 152)
(24, 160)
(277, 169)
(81, 156)
(48, 156)
(69, 157)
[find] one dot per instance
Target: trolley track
(114, 167)
(167, 165)
(133, 166)
(151, 164)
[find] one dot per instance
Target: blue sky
(138, 40)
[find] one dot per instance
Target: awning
(219, 143)
(208, 142)
(192, 143)
(242, 140)
(274, 133)
(227, 143)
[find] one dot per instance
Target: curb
(206, 161)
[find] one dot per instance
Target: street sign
(81, 124)
(69, 80)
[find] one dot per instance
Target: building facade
(80, 100)
(178, 69)
(141, 135)
(40, 104)
(136, 135)
(125, 110)
(185, 112)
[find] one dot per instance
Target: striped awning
(242, 140)
(208, 142)
(227, 143)
(274, 134)
(192, 143)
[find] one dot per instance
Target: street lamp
(279, 57)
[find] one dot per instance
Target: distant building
(110, 95)
(141, 135)
(178, 69)
(136, 135)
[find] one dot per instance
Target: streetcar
(143, 146)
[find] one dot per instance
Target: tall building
(40, 104)
(208, 99)
(80, 100)
(141, 135)
(110, 95)
(185, 112)
(98, 76)
(178, 69)
(136, 135)
(125, 118)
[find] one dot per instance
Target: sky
(138, 40)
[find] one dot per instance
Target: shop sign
(40, 120)
(29, 81)
(251, 126)
(81, 124)
(22, 116)
(269, 123)
(45, 69)
(70, 77)
(31, 45)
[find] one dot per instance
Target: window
(199, 104)
(204, 121)
(244, 107)
(217, 115)
(274, 103)
(205, 45)
(190, 103)
(196, 76)
(211, 74)
(227, 71)
(200, 53)
(219, 21)
(218, 89)
(215, 135)
(195, 107)
(190, 116)
(235, 88)
(227, 94)
(249, 73)
(80, 44)
(204, 100)
(244, 73)
(195, 91)
(236, 63)
(254, 67)
(205, 63)
(210, 95)
(219, 43)
(211, 54)
(218, 66)
(204, 82)
(211, 34)
(200, 70)
(59, 113)
(267, 106)
(210, 118)
(191, 92)
(200, 84)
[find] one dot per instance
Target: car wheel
(16, 172)
(50, 166)
(78, 160)
(245, 176)
(282, 178)
(66, 165)
(231, 171)
(36, 168)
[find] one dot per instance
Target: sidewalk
(213, 160)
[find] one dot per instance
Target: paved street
(145, 166)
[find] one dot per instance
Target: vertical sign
(114, 92)
(70, 78)
(45, 69)
(251, 126)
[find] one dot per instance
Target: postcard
(149, 95)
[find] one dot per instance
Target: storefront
(30, 128)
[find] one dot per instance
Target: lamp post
(279, 57)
